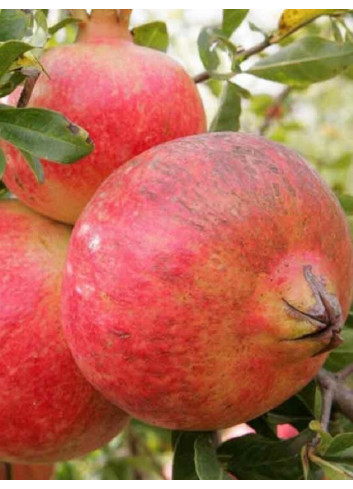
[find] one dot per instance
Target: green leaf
(9, 52)
(13, 24)
(206, 462)
(9, 82)
(232, 18)
(262, 426)
(2, 163)
(45, 134)
(333, 470)
(35, 165)
(41, 20)
(341, 449)
(298, 410)
(346, 202)
(183, 461)
(63, 23)
(209, 41)
(227, 117)
(342, 355)
(255, 457)
(3, 191)
(308, 60)
(152, 35)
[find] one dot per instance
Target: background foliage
(287, 75)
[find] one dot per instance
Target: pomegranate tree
(207, 280)
(128, 97)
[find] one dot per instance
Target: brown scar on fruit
(326, 314)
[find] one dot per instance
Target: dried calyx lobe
(326, 314)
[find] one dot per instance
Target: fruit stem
(105, 24)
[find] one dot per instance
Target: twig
(346, 372)
(273, 109)
(27, 91)
(8, 471)
(245, 54)
(335, 392)
(242, 55)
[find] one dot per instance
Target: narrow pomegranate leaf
(184, 452)
(306, 61)
(13, 24)
(2, 163)
(35, 165)
(232, 18)
(255, 457)
(63, 23)
(44, 134)
(227, 117)
(10, 51)
(152, 35)
(207, 464)
(292, 19)
(341, 356)
(9, 82)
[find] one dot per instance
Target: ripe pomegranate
(128, 97)
(28, 472)
(48, 411)
(207, 280)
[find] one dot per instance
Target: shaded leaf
(263, 427)
(292, 19)
(63, 23)
(343, 354)
(41, 20)
(206, 462)
(44, 133)
(298, 410)
(13, 24)
(184, 452)
(35, 165)
(9, 82)
(341, 449)
(255, 457)
(346, 202)
(227, 117)
(232, 18)
(153, 35)
(10, 51)
(332, 470)
(209, 41)
(2, 163)
(308, 60)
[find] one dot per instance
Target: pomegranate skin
(49, 412)
(129, 98)
(195, 287)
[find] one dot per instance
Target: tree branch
(27, 90)
(245, 54)
(8, 471)
(272, 111)
(335, 392)
(242, 55)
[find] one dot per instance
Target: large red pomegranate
(207, 280)
(48, 411)
(128, 97)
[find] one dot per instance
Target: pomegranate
(128, 97)
(48, 411)
(207, 280)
